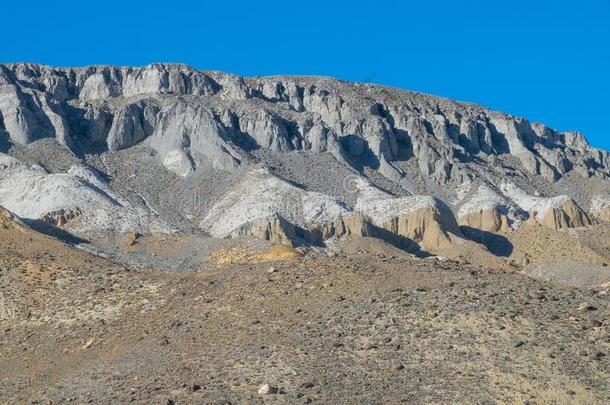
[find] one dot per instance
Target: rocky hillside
(166, 148)
(265, 324)
(175, 236)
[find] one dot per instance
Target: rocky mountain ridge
(488, 170)
(175, 236)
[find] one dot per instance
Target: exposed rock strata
(242, 211)
(196, 118)
(600, 208)
(488, 220)
(34, 194)
(61, 217)
(496, 170)
(554, 212)
(566, 215)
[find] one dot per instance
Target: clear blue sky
(545, 60)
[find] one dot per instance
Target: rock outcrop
(8, 220)
(287, 214)
(259, 195)
(61, 217)
(196, 118)
(489, 209)
(563, 212)
(432, 228)
(488, 220)
(354, 225)
(553, 212)
(422, 219)
(287, 139)
(501, 210)
(600, 208)
(279, 230)
(274, 228)
(77, 200)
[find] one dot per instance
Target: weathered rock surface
(270, 208)
(504, 209)
(421, 156)
(425, 220)
(77, 200)
(8, 220)
(488, 220)
(490, 210)
(564, 213)
(201, 113)
(600, 208)
(260, 195)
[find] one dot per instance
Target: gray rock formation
(210, 125)
(205, 115)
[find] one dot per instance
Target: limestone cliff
(195, 118)
(275, 157)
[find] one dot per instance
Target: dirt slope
(375, 326)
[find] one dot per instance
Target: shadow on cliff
(5, 143)
(55, 232)
(5, 139)
(496, 244)
(358, 153)
(398, 241)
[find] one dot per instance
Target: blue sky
(545, 60)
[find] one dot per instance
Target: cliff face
(489, 220)
(600, 208)
(195, 118)
(493, 169)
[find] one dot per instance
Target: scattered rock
(132, 238)
(587, 307)
(194, 387)
(89, 343)
(266, 389)
(307, 385)
(369, 346)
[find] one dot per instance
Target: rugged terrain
(169, 235)
(166, 148)
(370, 324)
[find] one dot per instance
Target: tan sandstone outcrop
(600, 208)
(61, 217)
(274, 228)
(603, 214)
(277, 229)
(488, 220)
(568, 215)
(352, 225)
(10, 221)
(430, 227)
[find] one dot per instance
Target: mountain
(367, 324)
(103, 150)
(175, 236)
